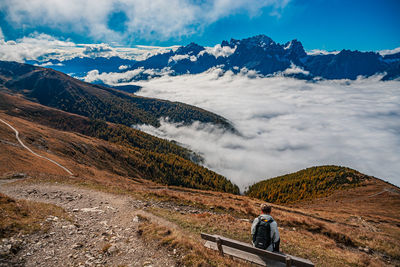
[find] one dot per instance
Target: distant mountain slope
(114, 148)
(262, 54)
(306, 184)
(55, 89)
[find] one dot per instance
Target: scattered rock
(19, 175)
(77, 246)
(97, 219)
(113, 249)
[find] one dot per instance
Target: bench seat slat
(249, 249)
(245, 255)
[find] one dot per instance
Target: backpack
(262, 236)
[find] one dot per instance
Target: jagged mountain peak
(191, 49)
(260, 40)
(295, 48)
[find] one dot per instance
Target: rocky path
(102, 231)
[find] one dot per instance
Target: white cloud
(45, 47)
(177, 58)
(120, 78)
(389, 51)
(143, 52)
(219, 51)
(35, 46)
(144, 19)
(123, 67)
(49, 64)
(111, 77)
(295, 70)
(287, 124)
(1, 35)
(99, 50)
(315, 52)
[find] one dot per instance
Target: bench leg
(288, 261)
(219, 245)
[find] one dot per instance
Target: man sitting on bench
(265, 231)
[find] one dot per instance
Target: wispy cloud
(136, 19)
(120, 78)
(39, 46)
(219, 51)
(321, 52)
(389, 51)
(295, 70)
(287, 124)
(36, 46)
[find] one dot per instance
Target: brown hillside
(352, 227)
(90, 157)
(307, 184)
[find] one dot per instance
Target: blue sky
(319, 24)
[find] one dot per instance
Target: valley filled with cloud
(286, 124)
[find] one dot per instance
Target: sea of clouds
(286, 124)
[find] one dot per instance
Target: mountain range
(259, 53)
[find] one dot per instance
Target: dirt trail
(103, 230)
(34, 153)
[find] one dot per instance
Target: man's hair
(265, 208)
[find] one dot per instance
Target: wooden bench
(249, 253)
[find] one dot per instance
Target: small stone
(18, 175)
(367, 250)
(113, 249)
(77, 245)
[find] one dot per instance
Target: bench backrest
(248, 252)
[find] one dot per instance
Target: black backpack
(262, 236)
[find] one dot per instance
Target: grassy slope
(307, 184)
(116, 133)
(19, 216)
(130, 154)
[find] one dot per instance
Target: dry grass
(303, 234)
(105, 248)
(188, 251)
(20, 216)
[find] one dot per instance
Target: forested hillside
(306, 184)
(141, 155)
